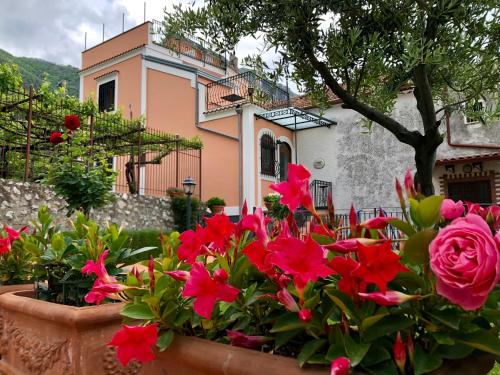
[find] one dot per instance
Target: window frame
(263, 171)
(474, 121)
(104, 80)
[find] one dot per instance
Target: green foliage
(179, 210)
(144, 237)
(34, 70)
(10, 78)
(15, 265)
(215, 201)
(272, 198)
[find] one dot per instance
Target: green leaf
(309, 349)
(403, 226)
(344, 303)
(321, 239)
(371, 320)
(425, 362)
(165, 340)
(456, 351)
(282, 338)
(356, 351)
(138, 311)
(376, 354)
(480, 339)
(287, 322)
(384, 368)
(450, 317)
(442, 338)
(387, 324)
(428, 210)
(223, 263)
(416, 249)
(337, 347)
(414, 211)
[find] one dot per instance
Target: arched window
(267, 155)
(285, 159)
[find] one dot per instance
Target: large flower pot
(16, 288)
(42, 338)
(216, 209)
(194, 356)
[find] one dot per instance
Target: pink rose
(451, 210)
(466, 261)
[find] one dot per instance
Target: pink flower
(98, 268)
(295, 192)
(389, 298)
(192, 244)
(4, 245)
(305, 315)
(399, 353)
(258, 255)
(219, 230)
(178, 275)
(244, 341)
(466, 261)
(256, 223)
(305, 261)
(451, 210)
(135, 342)
(207, 290)
(286, 299)
(101, 290)
(340, 366)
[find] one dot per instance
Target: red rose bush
(346, 294)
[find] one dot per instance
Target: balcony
(246, 87)
(191, 46)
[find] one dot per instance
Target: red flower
(135, 342)
(207, 290)
(56, 138)
(259, 257)
(379, 222)
(72, 122)
(192, 244)
(399, 191)
(399, 353)
(349, 284)
(349, 245)
(98, 268)
(305, 261)
(295, 192)
(4, 245)
(305, 315)
(101, 290)
(340, 366)
(409, 185)
(378, 264)
(389, 298)
(13, 234)
(219, 230)
(256, 223)
(244, 341)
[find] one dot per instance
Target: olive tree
(366, 51)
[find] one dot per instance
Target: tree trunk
(425, 158)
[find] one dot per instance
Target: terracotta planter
(16, 288)
(216, 209)
(42, 338)
(194, 356)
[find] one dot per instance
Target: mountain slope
(33, 70)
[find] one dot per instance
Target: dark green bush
(144, 238)
(179, 209)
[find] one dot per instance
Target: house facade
(251, 129)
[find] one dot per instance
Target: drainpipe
(239, 112)
(464, 145)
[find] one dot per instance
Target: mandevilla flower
(135, 342)
(399, 353)
(13, 234)
(304, 260)
(348, 284)
(219, 230)
(465, 258)
(349, 245)
(56, 138)
(4, 245)
(178, 275)
(207, 290)
(340, 366)
(100, 290)
(245, 341)
(258, 255)
(98, 268)
(72, 122)
(287, 300)
(409, 185)
(378, 264)
(451, 210)
(192, 244)
(379, 222)
(389, 298)
(295, 191)
(256, 223)
(305, 315)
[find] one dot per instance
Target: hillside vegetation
(33, 69)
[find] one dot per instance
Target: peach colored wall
(278, 132)
(138, 36)
(129, 84)
(171, 108)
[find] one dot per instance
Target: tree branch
(423, 95)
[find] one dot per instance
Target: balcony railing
(191, 46)
(243, 88)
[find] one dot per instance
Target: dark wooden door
(477, 191)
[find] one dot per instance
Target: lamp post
(188, 184)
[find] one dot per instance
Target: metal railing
(243, 88)
(320, 191)
(190, 46)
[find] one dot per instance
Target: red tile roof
(469, 158)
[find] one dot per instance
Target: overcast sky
(54, 30)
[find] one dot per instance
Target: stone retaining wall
(19, 203)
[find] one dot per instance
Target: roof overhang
(295, 119)
(469, 158)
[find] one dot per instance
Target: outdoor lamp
(188, 184)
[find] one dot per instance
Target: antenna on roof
(144, 11)
(103, 31)
(123, 22)
(85, 42)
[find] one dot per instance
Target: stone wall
(19, 203)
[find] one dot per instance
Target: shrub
(144, 238)
(215, 201)
(179, 209)
(272, 198)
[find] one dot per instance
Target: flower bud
(305, 315)
(399, 353)
(340, 366)
(409, 185)
(389, 298)
(220, 275)
(411, 349)
(399, 191)
(287, 300)
(178, 275)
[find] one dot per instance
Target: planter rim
(72, 316)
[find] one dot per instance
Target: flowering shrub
(15, 263)
(364, 301)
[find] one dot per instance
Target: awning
(295, 119)
(469, 158)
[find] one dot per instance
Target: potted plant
(216, 205)
(271, 199)
(54, 329)
(423, 302)
(174, 192)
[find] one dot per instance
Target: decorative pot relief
(113, 367)
(36, 355)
